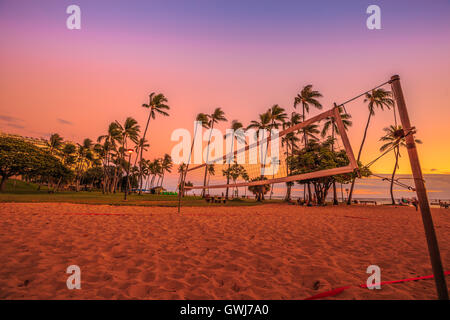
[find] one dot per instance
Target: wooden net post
(181, 189)
(430, 233)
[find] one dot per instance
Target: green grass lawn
(20, 191)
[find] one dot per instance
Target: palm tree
(211, 172)
(110, 140)
(235, 125)
(394, 138)
(55, 142)
(215, 117)
(156, 105)
(129, 130)
(261, 125)
(290, 140)
(141, 146)
(68, 154)
(166, 166)
(203, 119)
(378, 98)
(277, 118)
(155, 170)
(330, 123)
(246, 178)
(307, 98)
(237, 171)
(84, 156)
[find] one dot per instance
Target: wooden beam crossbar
(297, 177)
(301, 125)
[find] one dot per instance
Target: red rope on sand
(356, 217)
(336, 291)
(98, 214)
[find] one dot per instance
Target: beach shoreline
(273, 251)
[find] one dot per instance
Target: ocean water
(372, 188)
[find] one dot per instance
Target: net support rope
(395, 181)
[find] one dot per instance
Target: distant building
(39, 142)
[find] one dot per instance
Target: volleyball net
(265, 158)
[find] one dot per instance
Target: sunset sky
(243, 56)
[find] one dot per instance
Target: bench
(368, 202)
(220, 200)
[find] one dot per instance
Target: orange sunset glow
(224, 159)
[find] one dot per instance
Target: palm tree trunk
(57, 185)
(288, 195)
(228, 181)
(349, 200)
(3, 183)
(305, 139)
(162, 179)
(152, 181)
(397, 153)
(115, 179)
(309, 191)
(206, 166)
(141, 150)
(335, 200)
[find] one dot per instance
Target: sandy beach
(260, 252)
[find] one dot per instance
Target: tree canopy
(320, 156)
(18, 157)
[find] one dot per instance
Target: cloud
(9, 119)
(64, 121)
(15, 125)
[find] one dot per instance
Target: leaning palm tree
(55, 142)
(394, 138)
(203, 119)
(235, 125)
(331, 124)
(215, 117)
(156, 105)
(378, 98)
(211, 172)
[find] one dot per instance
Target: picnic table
(214, 199)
